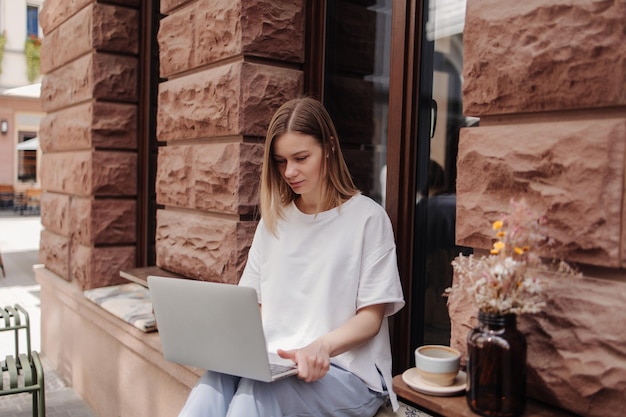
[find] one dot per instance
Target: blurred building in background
(20, 104)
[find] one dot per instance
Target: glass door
(435, 215)
(389, 72)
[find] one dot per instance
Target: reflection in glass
(438, 199)
(26, 158)
(27, 166)
(356, 91)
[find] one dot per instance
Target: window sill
(140, 275)
(456, 406)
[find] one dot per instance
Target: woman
(323, 263)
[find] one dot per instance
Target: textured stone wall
(227, 66)
(548, 81)
(89, 139)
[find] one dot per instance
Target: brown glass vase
(496, 366)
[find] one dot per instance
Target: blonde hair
(309, 117)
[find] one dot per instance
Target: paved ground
(19, 243)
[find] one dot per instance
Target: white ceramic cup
(437, 364)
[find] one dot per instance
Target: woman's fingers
(312, 367)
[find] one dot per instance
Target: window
(27, 157)
(32, 21)
(395, 97)
(356, 87)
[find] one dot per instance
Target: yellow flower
(501, 234)
(497, 247)
(519, 251)
(497, 225)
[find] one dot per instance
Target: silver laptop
(214, 326)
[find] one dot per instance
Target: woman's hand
(313, 360)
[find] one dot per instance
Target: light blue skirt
(338, 394)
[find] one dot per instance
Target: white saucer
(415, 381)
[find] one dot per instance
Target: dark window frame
(147, 152)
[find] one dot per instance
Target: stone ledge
(173, 381)
(113, 366)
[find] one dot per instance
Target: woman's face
(298, 158)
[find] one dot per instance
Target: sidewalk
(19, 245)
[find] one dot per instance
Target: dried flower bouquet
(506, 281)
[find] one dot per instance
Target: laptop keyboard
(278, 369)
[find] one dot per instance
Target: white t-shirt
(316, 274)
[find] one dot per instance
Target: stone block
(115, 77)
(244, 233)
(54, 12)
(210, 177)
(94, 76)
(576, 347)
(54, 253)
(203, 104)
(174, 176)
(263, 90)
(213, 102)
(115, 28)
(97, 26)
(90, 125)
(86, 173)
(202, 247)
(249, 171)
(571, 170)
(67, 85)
(95, 267)
(103, 222)
(208, 31)
(175, 38)
(54, 50)
(537, 56)
(273, 29)
(114, 125)
(67, 172)
(67, 129)
(55, 212)
(114, 174)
